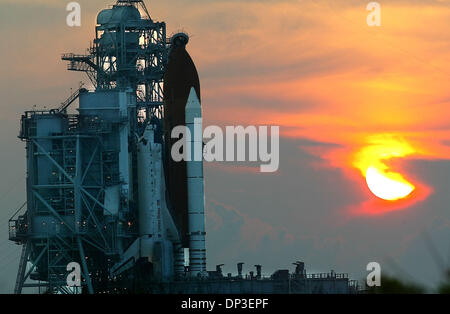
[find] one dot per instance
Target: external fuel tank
(181, 75)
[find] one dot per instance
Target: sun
(388, 186)
(373, 162)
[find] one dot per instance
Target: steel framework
(70, 167)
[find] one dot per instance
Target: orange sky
(314, 67)
(360, 82)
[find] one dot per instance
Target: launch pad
(103, 190)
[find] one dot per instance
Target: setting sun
(387, 186)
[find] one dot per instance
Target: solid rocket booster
(195, 185)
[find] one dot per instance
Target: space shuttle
(171, 194)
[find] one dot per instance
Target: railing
(12, 229)
(73, 56)
(327, 276)
(18, 229)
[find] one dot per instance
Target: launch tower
(96, 180)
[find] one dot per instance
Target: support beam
(35, 263)
(84, 265)
(57, 165)
(89, 164)
(52, 210)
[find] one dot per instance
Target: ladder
(70, 100)
(22, 268)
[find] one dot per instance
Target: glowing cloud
(381, 147)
